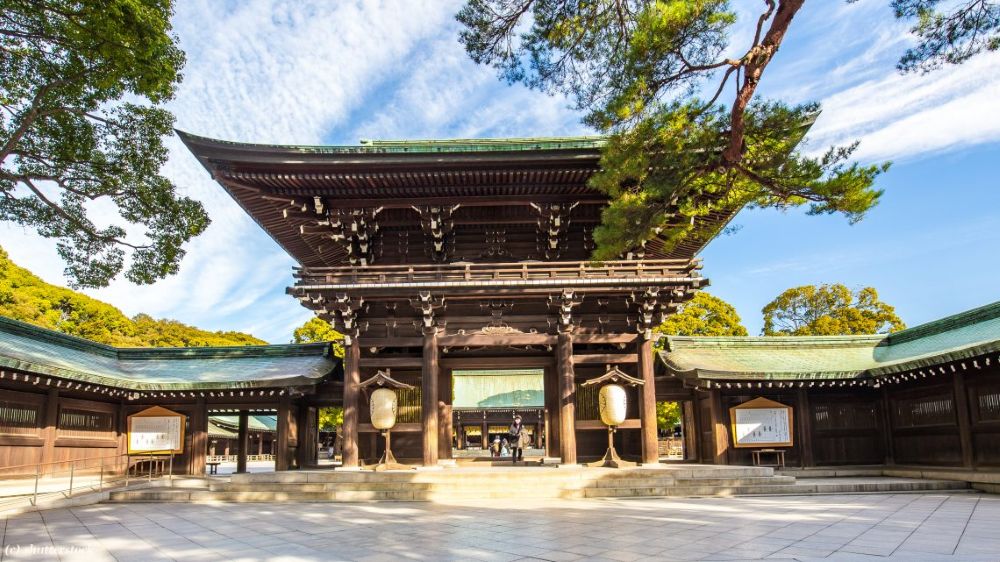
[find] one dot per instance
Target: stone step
(744, 481)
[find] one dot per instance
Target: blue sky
(335, 72)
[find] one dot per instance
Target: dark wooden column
(567, 398)
(282, 454)
(803, 419)
(689, 428)
(352, 378)
(307, 425)
(49, 430)
(552, 399)
(720, 436)
(429, 397)
(444, 413)
(890, 443)
(486, 434)
(242, 442)
(647, 409)
(199, 438)
(964, 422)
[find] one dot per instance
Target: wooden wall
(950, 419)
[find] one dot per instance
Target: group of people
(513, 444)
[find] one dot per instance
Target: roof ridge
(960, 320)
(34, 332)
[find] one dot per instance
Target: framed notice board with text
(761, 423)
(157, 431)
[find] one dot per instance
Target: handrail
(74, 465)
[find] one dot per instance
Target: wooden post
(890, 455)
(243, 444)
(647, 408)
(552, 398)
(804, 419)
(689, 428)
(486, 435)
(964, 422)
(567, 398)
(199, 438)
(444, 414)
(352, 378)
(307, 424)
(720, 436)
(282, 453)
(49, 430)
(429, 396)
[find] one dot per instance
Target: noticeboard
(156, 430)
(761, 423)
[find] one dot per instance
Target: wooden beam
(804, 419)
(720, 435)
(415, 341)
(604, 338)
(605, 358)
(647, 407)
(376, 362)
(479, 340)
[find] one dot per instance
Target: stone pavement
(913, 527)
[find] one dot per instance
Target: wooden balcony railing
(496, 271)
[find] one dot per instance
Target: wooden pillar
(307, 425)
(243, 442)
(890, 444)
(567, 398)
(352, 378)
(486, 435)
(647, 407)
(689, 428)
(282, 453)
(551, 386)
(444, 414)
(720, 436)
(964, 422)
(49, 429)
(803, 418)
(429, 394)
(199, 438)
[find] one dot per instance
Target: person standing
(495, 447)
(517, 438)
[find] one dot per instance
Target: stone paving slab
(915, 528)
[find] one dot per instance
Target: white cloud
(275, 71)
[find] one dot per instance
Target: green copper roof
(419, 146)
(961, 336)
(256, 423)
(44, 352)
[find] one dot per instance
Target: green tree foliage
(635, 67)
(25, 297)
(668, 414)
(829, 310)
(81, 83)
(951, 36)
(330, 418)
(704, 315)
(319, 330)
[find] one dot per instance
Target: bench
(213, 467)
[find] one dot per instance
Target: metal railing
(235, 458)
(108, 470)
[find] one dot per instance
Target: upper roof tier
(426, 201)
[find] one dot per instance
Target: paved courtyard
(862, 527)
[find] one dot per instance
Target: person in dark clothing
(517, 438)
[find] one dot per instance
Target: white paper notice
(155, 433)
(762, 426)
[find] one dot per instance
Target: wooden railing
(496, 271)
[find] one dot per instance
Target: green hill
(25, 297)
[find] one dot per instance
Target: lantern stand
(384, 381)
(610, 387)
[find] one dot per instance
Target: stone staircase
(468, 484)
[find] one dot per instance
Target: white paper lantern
(613, 403)
(383, 406)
